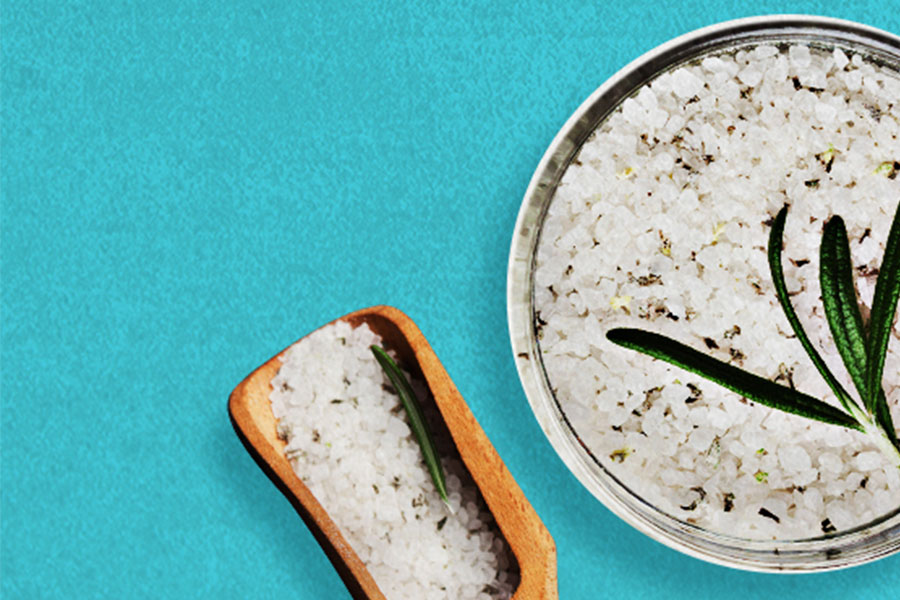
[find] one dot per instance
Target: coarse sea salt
(348, 440)
(662, 224)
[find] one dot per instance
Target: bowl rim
(808, 555)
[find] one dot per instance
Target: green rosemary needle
(416, 421)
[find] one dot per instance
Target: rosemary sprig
(416, 421)
(863, 355)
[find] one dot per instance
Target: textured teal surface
(188, 188)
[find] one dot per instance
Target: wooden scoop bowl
(251, 416)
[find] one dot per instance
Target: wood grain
(251, 416)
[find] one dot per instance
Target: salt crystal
(825, 113)
(714, 64)
(868, 461)
(840, 59)
(685, 84)
(793, 458)
(799, 55)
(750, 76)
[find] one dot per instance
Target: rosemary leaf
(839, 299)
(774, 251)
(884, 307)
(416, 420)
(750, 386)
(842, 311)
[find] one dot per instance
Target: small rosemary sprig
(863, 352)
(416, 421)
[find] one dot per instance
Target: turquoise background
(189, 187)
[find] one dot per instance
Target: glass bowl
(846, 548)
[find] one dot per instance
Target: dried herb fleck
(696, 394)
(701, 495)
(769, 515)
(620, 455)
(729, 502)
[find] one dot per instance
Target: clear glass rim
(863, 544)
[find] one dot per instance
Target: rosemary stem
(876, 434)
(880, 438)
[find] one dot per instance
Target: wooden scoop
(251, 416)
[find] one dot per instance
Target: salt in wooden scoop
(530, 542)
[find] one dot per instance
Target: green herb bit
(416, 421)
(827, 158)
(716, 232)
(888, 168)
(762, 451)
(665, 247)
(617, 302)
(620, 455)
(761, 476)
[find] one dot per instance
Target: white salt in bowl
(864, 543)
